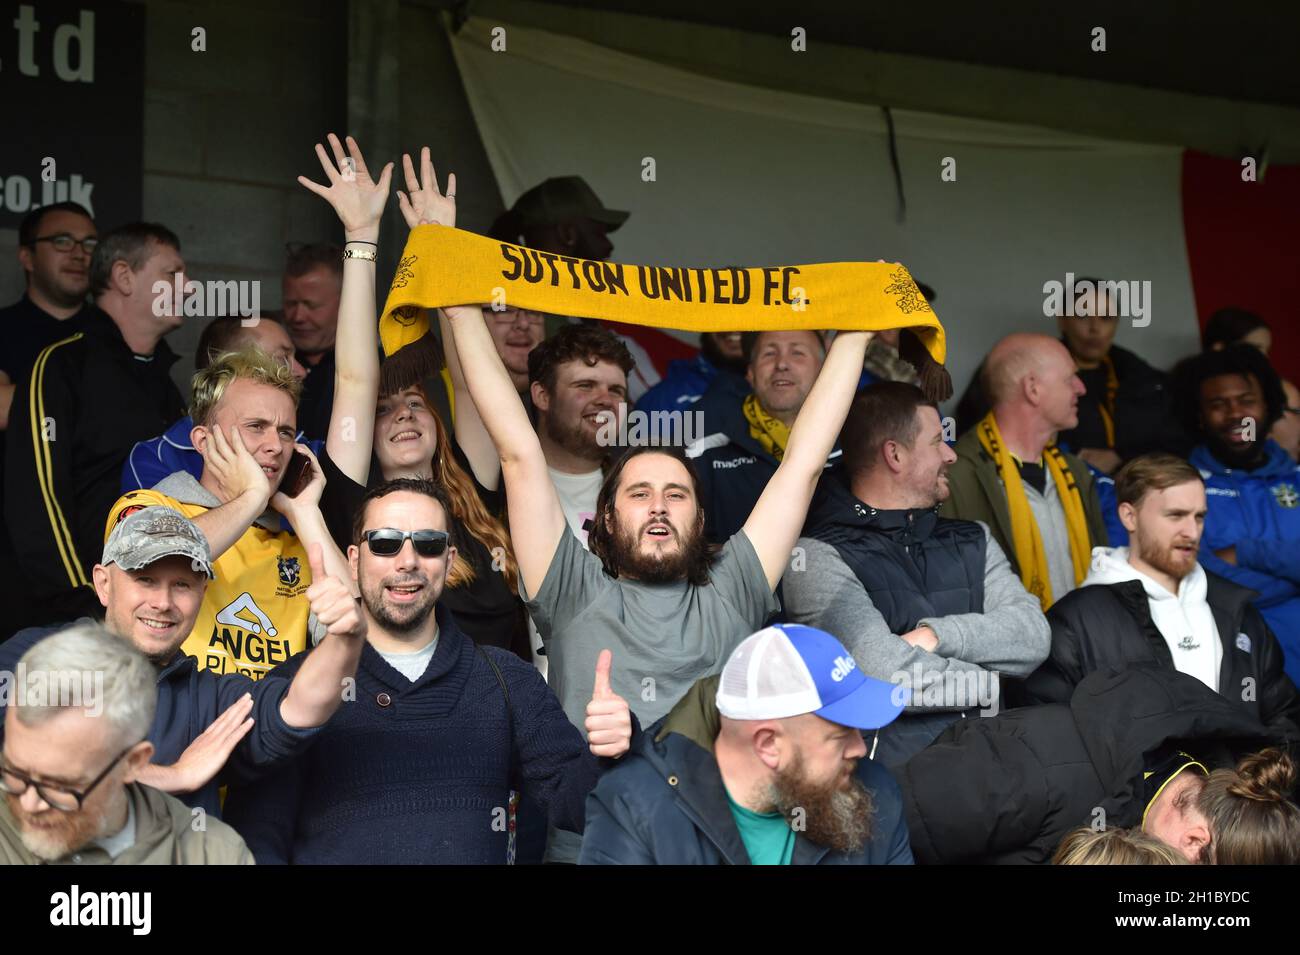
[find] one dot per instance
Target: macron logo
(843, 667)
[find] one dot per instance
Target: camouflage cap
(152, 533)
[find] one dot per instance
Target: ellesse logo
(843, 667)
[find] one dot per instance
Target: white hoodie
(1184, 620)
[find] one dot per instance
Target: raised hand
(332, 602)
(235, 469)
(426, 205)
(355, 196)
(204, 757)
(609, 719)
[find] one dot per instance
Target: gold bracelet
(367, 255)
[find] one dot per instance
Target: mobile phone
(297, 474)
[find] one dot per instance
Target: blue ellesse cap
(788, 670)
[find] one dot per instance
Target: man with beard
(925, 602)
(1152, 603)
(72, 768)
(1252, 527)
(577, 378)
(419, 766)
(750, 433)
(650, 587)
(208, 730)
(762, 766)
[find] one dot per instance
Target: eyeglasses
(57, 797)
(512, 315)
(388, 542)
(64, 243)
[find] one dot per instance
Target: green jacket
(976, 494)
(165, 834)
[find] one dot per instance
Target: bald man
(1039, 502)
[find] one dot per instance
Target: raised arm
(777, 518)
(423, 204)
(536, 518)
(359, 202)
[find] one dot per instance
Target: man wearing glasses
(87, 400)
(207, 730)
(70, 773)
(55, 243)
(420, 766)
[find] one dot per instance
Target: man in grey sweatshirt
(927, 603)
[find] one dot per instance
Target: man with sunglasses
(73, 765)
(420, 766)
(89, 397)
(208, 730)
(55, 243)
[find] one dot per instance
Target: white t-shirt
(412, 665)
(578, 498)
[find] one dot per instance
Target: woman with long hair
(398, 434)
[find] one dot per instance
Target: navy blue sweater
(189, 699)
(420, 772)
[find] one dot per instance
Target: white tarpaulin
(750, 176)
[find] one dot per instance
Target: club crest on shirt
(1285, 495)
(290, 570)
(1243, 642)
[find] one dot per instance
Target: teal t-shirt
(768, 838)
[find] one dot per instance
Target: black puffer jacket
(1009, 788)
(1109, 626)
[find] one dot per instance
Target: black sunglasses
(388, 541)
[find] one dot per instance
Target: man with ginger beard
(1152, 603)
(763, 765)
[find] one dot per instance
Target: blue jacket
(685, 383)
(189, 699)
(665, 803)
(151, 461)
(732, 466)
(1258, 513)
(420, 772)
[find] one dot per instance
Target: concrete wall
(226, 132)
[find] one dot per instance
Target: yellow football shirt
(254, 614)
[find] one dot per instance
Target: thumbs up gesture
(609, 719)
(331, 601)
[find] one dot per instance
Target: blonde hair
(1088, 846)
(250, 363)
(1252, 818)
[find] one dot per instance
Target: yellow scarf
(1025, 536)
(772, 433)
(443, 266)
